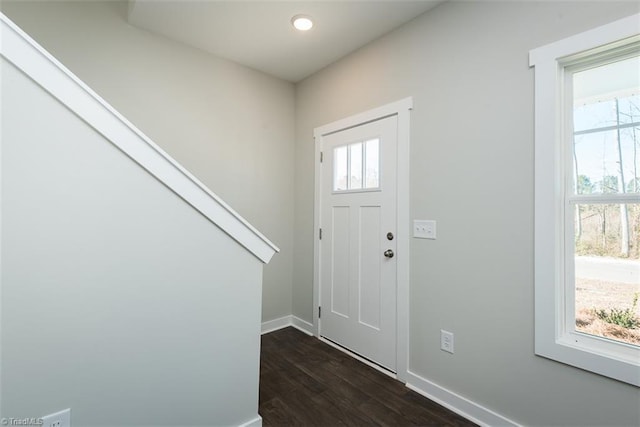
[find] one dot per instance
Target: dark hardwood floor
(305, 382)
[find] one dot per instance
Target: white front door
(358, 244)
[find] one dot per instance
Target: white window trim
(552, 339)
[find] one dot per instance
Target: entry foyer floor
(305, 382)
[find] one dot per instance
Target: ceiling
(259, 34)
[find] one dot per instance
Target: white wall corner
(456, 403)
(302, 325)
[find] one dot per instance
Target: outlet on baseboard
(59, 419)
(446, 341)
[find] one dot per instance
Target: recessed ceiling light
(302, 22)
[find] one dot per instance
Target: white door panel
(358, 209)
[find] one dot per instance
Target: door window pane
(372, 163)
(355, 163)
(340, 172)
(357, 166)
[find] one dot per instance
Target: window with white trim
(587, 200)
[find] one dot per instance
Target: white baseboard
(286, 321)
(256, 422)
(302, 325)
(456, 403)
(275, 324)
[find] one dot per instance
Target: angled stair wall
(125, 282)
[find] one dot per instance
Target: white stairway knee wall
(114, 292)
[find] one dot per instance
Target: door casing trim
(401, 109)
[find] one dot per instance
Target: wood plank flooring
(305, 382)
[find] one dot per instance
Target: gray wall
(232, 127)
(116, 294)
(466, 65)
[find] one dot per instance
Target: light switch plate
(424, 229)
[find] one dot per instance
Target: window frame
(554, 337)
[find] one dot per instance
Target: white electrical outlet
(59, 419)
(446, 341)
(424, 229)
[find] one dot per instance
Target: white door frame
(401, 109)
